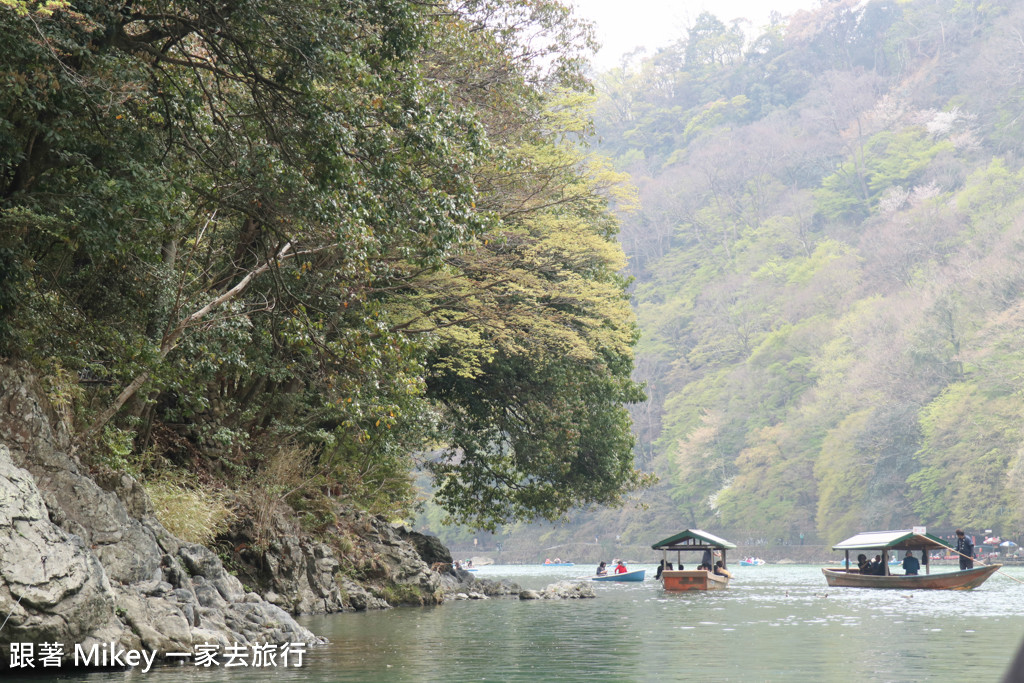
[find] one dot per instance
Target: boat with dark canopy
(692, 540)
(917, 539)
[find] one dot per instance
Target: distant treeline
(829, 271)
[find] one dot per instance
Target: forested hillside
(291, 252)
(829, 265)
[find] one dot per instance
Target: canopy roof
(693, 539)
(904, 539)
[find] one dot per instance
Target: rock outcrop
(380, 567)
(84, 561)
(563, 590)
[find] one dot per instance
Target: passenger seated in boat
(721, 570)
(863, 565)
(878, 566)
(911, 565)
(602, 569)
(706, 567)
(662, 567)
(620, 568)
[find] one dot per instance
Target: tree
(236, 223)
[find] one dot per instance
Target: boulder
(568, 590)
(52, 586)
(430, 548)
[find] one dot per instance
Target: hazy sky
(623, 25)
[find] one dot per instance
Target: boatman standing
(966, 550)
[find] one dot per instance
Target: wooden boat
(961, 580)
(635, 575)
(916, 539)
(692, 540)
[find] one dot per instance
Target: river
(773, 623)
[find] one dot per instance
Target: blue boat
(635, 575)
(559, 564)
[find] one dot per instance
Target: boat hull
(692, 580)
(962, 580)
(635, 575)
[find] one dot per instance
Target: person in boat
(706, 558)
(966, 550)
(720, 570)
(661, 568)
(863, 565)
(911, 565)
(602, 569)
(620, 568)
(547, 560)
(878, 566)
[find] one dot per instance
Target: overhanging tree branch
(171, 338)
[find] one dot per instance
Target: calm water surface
(774, 623)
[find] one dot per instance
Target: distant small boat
(635, 575)
(752, 562)
(559, 564)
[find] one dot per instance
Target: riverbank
(85, 561)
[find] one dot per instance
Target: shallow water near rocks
(773, 623)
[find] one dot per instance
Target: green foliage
(827, 268)
(279, 227)
(890, 159)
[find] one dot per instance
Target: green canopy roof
(882, 540)
(693, 539)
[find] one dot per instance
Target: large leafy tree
(249, 224)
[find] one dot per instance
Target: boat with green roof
(693, 540)
(916, 539)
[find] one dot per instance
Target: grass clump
(192, 514)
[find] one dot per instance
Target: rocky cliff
(84, 562)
